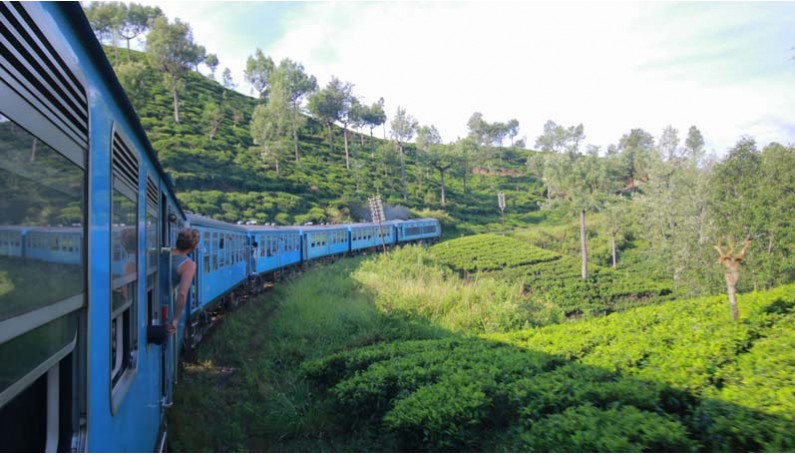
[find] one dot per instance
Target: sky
(726, 68)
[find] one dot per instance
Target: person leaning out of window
(183, 269)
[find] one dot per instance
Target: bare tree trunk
(613, 247)
(295, 135)
(583, 246)
(732, 288)
(345, 136)
(465, 176)
(330, 141)
(613, 233)
(441, 171)
(403, 173)
(176, 105)
(372, 144)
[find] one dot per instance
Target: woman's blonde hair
(187, 239)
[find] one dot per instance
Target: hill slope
(221, 176)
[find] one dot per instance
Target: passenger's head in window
(187, 240)
(129, 240)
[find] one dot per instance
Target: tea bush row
(675, 377)
(489, 252)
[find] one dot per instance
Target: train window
(221, 251)
(152, 313)
(206, 252)
(41, 189)
(124, 272)
(215, 251)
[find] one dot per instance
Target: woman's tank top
(176, 262)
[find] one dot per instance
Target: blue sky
(724, 67)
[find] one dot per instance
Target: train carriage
(322, 241)
(370, 235)
(222, 259)
(273, 248)
(78, 372)
(422, 229)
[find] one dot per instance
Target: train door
(166, 296)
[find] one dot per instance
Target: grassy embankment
(405, 352)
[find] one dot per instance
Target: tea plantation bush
(674, 377)
(489, 252)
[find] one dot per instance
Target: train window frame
(127, 316)
(20, 113)
(214, 237)
(19, 110)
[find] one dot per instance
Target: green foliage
(489, 252)
(677, 377)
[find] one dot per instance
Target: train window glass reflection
(42, 193)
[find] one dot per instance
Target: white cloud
(723, 67)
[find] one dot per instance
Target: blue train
(87, 222)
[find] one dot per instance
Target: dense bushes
(674, 377)
(489, 252)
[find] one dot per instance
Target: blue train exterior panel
(420, 229)
(367, 235)
(324, 241)
(221, 260)
(273, 248)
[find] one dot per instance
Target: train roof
(74, 12)
(259, 228)
(200, 220)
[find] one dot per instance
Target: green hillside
(398, 353)
(221, 176)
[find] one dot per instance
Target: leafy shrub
(590, 429)
(489, 252)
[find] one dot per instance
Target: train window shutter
(32, 68)
(125, 163)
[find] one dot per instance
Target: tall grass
(409, 281)
(245, 392)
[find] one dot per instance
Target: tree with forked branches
(732, 262)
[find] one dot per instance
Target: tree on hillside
(212, 62)
(131, 76)
(170, 49)
(513, 130)
(465, 149)
(557, 138)
(295, 84)
(258, 73)
(732, 262)
(226, 79)
(694, 144)
(211, 117)
(372, 117)
(668, 144)
(478, 129)
(347, 113)
(438, 156)
(635, 150)
(403, 128)
(270, 130)
(579, 183)
(777, 199)
(135, 20)
(332, 104)
(105, 19)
